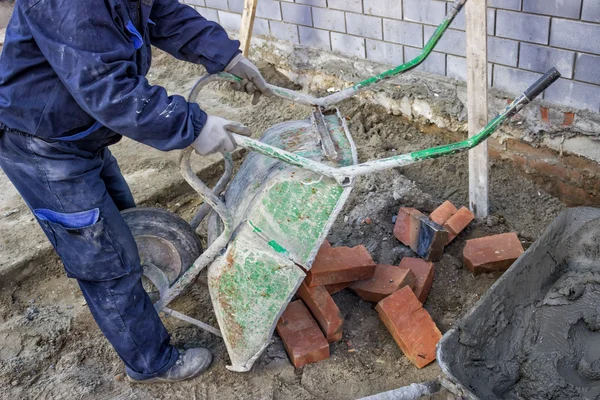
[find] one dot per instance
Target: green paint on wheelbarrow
(250, 286)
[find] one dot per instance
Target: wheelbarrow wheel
(163, 239)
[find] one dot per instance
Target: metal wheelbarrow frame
(220, 248)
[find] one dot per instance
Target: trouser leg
(64, 187)
(115, 183)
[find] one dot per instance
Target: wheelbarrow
(266, 225)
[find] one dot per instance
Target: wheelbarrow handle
(328, 101)
(344, 175)
(542, 84)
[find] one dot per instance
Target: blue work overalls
(71, 83)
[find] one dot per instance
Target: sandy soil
(50, 347)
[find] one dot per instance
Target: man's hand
(216, 136)
(252, 81)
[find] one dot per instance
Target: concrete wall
(526, 37)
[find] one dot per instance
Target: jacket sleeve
(185, 34)
(93, 56)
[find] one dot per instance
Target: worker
(72, 84)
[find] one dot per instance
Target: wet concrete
(536, 334)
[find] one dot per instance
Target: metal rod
(191, 320)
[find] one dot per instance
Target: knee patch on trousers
(85, 244)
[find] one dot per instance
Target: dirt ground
(50, 347)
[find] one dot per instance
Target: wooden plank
(247, 25)
(477, 90)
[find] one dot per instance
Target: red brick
(411, 326)
(406, 229)
(301, 336)
(340, 264)
(544, 112)
(324, 309)
(386, 280)
(569, 119)
(441, 214)
(336, 287)
(325, 245)
(458, 222)
(492, 253)
(424, 272)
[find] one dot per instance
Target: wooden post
(477, 90)
(247, 25)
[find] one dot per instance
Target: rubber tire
(165, 226)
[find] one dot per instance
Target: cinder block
(209, 14)
(426, 11)
(229, 20)
(340, 264)
(364, 25)
(403, 32)
(316, 38)
(317, 3)
(303, 340)
(218, 4)
(195, 2)
(542, 58)
(588, 68)
(268, 9)
(460, 22)
(284, 31)
(557, 8)
(347, 5)
(236, 6)
(591, 10)
(384, 8)
(456, 68)
(507, 4)
(441, 214)
(329, 19)
(574, 94)
(453, 42)
(337, 287)
(261, 27)
(568, 34)
(503, 51)
(352, 46)
(492, 253)
(424, 272)
(435, 63)
(324, 309)
(411, 326)
(296, 13)
(526, 27)
(458, 222)
(512, 80)
(385, 281)
(385, 53)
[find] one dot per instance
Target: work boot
(191, 363)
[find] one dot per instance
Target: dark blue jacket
(74, 69)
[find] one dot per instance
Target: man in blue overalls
(71, 83)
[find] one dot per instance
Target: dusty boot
(191, 363)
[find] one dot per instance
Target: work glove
(216, 136)
(252, 81)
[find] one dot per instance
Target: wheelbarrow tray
(525, 320)
(282, 216)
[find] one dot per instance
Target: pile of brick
(312, 322)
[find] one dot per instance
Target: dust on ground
(50, 347)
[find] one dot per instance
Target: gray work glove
(216, 136)
(252, 81)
